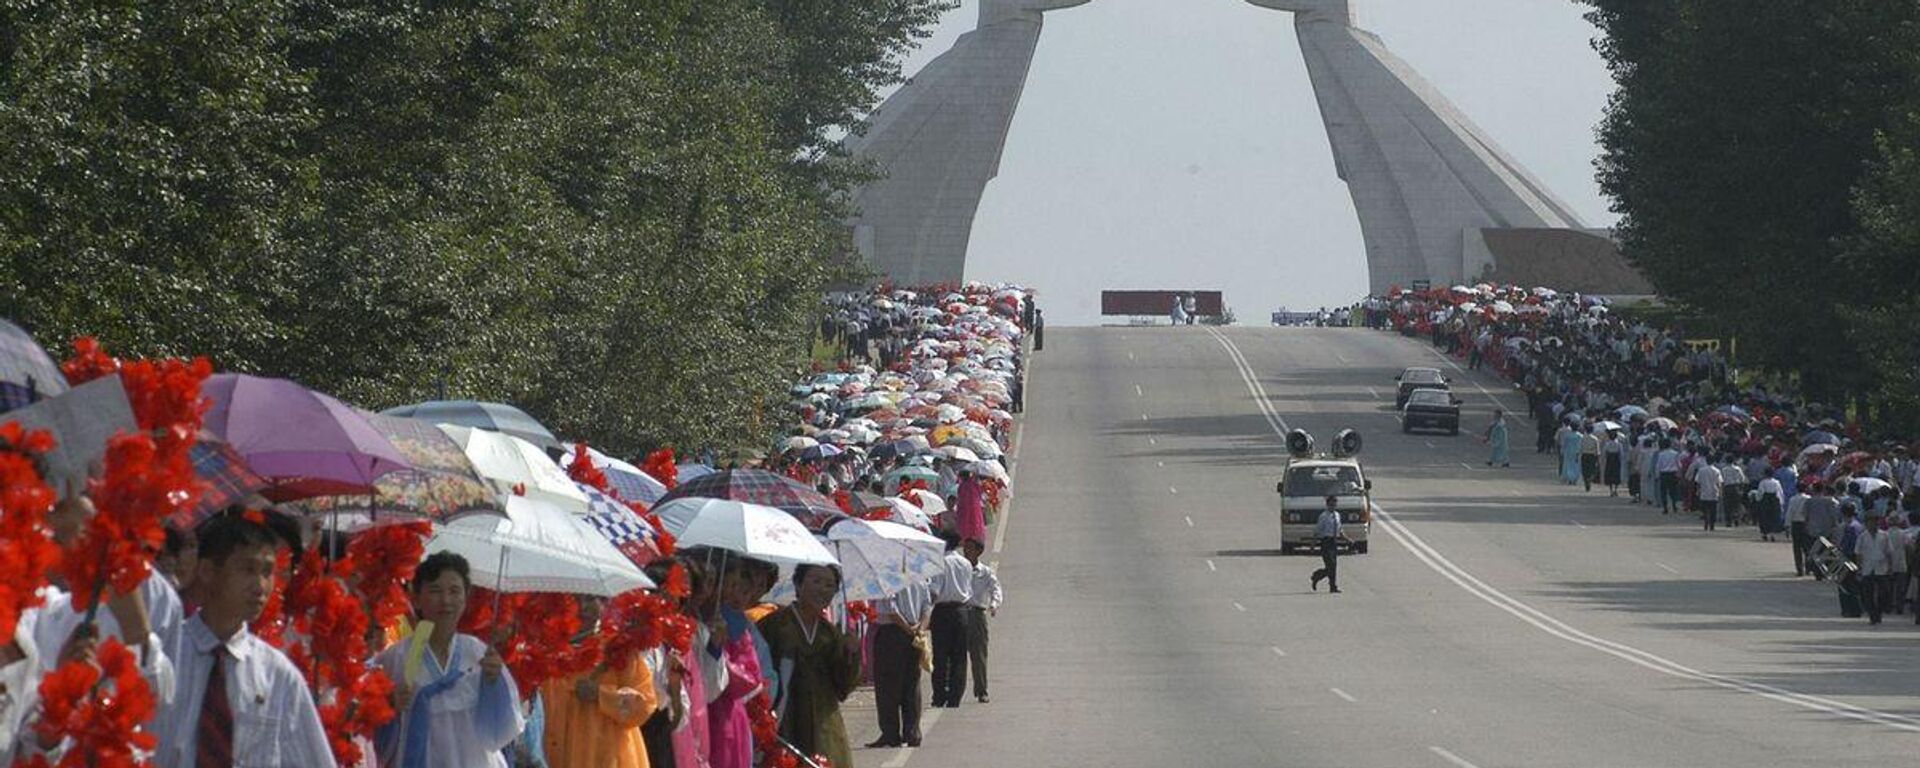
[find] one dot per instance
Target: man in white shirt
(1875, 552)
(143, 620)
(896, 665)
(240, 701)
(1797, 526)
(1666, 464)
(1706, 478)
(980, 608)
(951, 591)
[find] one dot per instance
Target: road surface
(1501, 619)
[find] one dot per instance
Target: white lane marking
(1137, 391)
(1516, 493)
(1374, 392)
(1211, 567)
(1430, 444)
(1143, 417)
(1189, 520)
(1545, 623)
(1161, 463)
(1259, 391)
(1129, 355)
(1578, 524)
(1469, 467)
(1476, 385)
(1173, 490)
(1276, 651)
(1450, 757)
(1013, 472)
(1667, 568)
(1343, 358)
(1344, 695)
(1239, 607)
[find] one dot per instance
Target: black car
(1418, 378)
(1431, 409)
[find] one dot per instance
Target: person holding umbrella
(456, 701)
(816, 663)
(1496, 438)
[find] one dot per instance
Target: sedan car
(1431, 409)
(1418, 378)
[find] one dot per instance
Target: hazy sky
(1175, 144)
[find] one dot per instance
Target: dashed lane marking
(1276, 651)
(1450, 757)
(1239, 607)
(1212, 567)
(1189, 520)
(1344, 695)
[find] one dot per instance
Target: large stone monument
(1434, 194)
(938, 141)
(1425, 180)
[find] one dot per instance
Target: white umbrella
(1607, 426)
(928, 502)
(538, 547)
(905, 513)
(957, 453)
(1630, 411)
(800, 443)
(763, 533)
(991, 470)
(879, 558)
(516, 467)
(1819, 448)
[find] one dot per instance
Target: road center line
(1173, 490)
(1276, 651)
(1473, 585)
(1578, 523)
(1451, 758)
(1374, 392)
(1344, 695)
(1189, 520)
(1152, 441)
(1239, 607)
(1667, 568)
(1211, 567)
(1430, 444)
(1137, 391)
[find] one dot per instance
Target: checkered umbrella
(228, 480)
(621, 526)
(765, 488)
(27, 373)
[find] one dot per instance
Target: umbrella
(799, 443)
(1822, 437)
(498, 417)
(226, 479)
(756, 531)
(821, 451)
(27, 373)
(959, 454)
(990, 470)
(912, 472)
(764, 488)
(1735, 411)
(879, 558)
(441, 485)
(304, 442)
(692, 471)
(1607, 426)
(1630, 411)
(1817, 449)
(1863, 486)
(1662, 423)
(538, 547)
(515, 466)
(930, 503)
(630, 482)
(622, 527)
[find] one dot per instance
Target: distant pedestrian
(1589, 458)
(1706, 478)
(1797, 530)
(1329, 533)
(1568, 441)
(1039, 329)
(952, 590)
(981, 607)
(1496, 439)
(1666, 465)
(1874, 551)
(896, 665)
(1613, 455)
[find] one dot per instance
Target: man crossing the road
(1330, 534)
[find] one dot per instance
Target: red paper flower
(27, 551)
(145, 482)
(639, 621)
(378, 563)
(582, 470)
(99, 709)
(542, 638)
(661, 466)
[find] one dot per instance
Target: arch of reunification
(1437, 200)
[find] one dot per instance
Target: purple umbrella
(306, 443)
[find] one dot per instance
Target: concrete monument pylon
(1437, 199)
(1425, 180)
(937, 141)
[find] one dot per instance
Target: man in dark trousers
(896, 665)
(952, 590)
(1039, 329)
(1330, 534)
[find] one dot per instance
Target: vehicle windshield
(1323, 481)
(1420, 376)
(1429, 397)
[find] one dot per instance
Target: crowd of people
(1645, 413)
(202, 569)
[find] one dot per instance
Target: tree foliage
(1740, 149)
(618, 213)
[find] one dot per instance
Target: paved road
(1500, 620)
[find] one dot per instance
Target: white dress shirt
(1876, 551)
(1707, 476)
(986, 588)
(1797, 508)
(275, 723)
(913, 603)
(1666, 461)
(19, 687)
(165, 617)
(955, 584)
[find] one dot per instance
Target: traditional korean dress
(457, 718)
(817, 671)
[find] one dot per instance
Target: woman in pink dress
(731, 729)
(971, 515)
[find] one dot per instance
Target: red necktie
(214, 739)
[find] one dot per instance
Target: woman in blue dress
(1570, 455)
(1496, 438)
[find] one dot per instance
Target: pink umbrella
(305, 443)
